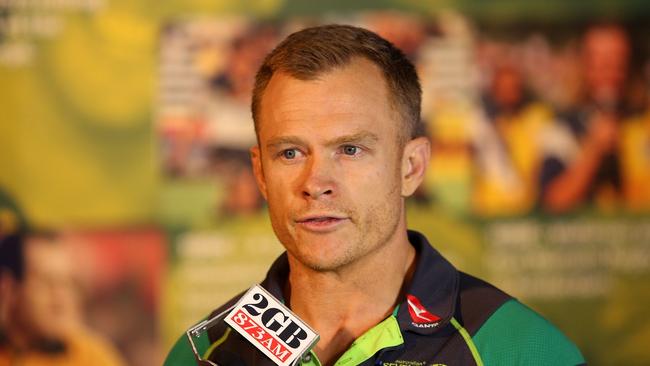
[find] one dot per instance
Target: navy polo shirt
(447, 318)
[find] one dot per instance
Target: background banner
(127, 124)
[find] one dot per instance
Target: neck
(343, 304)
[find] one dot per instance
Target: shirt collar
(434, 285)
(277, 277)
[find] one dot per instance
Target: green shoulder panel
(181, 354)
(516, 335)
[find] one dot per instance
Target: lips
(319, 217)
(321, 222)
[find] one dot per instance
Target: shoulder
(181, 352)
(516, 335)
(506, 332)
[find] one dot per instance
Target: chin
(321, 252)
(323, 266)
(324, 261)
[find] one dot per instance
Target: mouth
(321, 223)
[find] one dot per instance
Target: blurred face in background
(507, 87)
(606, 53)
(46, 301)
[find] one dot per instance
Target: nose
(318, 182)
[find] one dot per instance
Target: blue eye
(350, 150)
(289, 154)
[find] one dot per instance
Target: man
(340, 147)
(581, 164)
(39, 315)
(506, 144)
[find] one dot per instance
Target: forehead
(606, 41)
(354, 95)
(47, 257)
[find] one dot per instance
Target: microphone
(271, 327)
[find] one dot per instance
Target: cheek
(279, 190)
(379, 179)
(381, 186)
(279, 196)
(32, 306)
(34, 292)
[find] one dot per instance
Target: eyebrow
(359, 137)
(363, 137)
(285, 140)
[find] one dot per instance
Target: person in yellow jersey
(507, 146)
(581, 166)
(39, 307)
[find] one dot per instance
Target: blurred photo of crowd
(554, 128)
(533, 121)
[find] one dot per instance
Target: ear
(256, 160)
(415, 159)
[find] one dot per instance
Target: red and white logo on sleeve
(421, 317)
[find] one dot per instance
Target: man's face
(606, 55)
(47, 297)
(328, 163)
